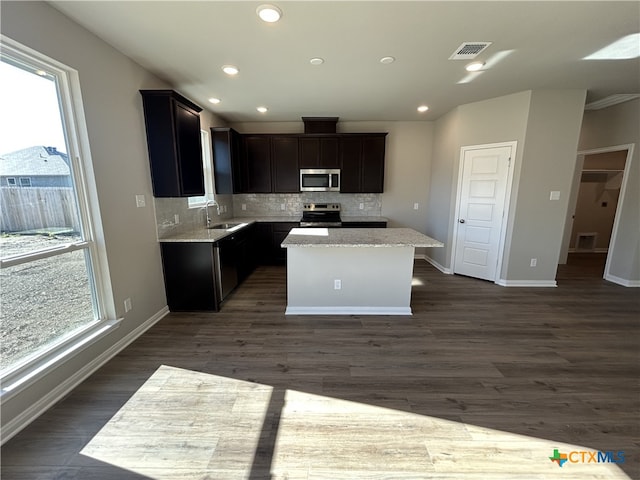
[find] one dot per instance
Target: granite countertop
(358, 237)
(202, 234)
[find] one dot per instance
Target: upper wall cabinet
(256, 163)
(362, 163)
(173, 138)
(226, 147)
(319, 152)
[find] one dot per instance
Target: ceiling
(535, 45)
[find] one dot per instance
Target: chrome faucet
(206, 210)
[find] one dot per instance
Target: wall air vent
(469, 50)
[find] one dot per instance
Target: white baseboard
(444, 270)
(15, 425)
(348, 311)
(622, 281)
(526, 283)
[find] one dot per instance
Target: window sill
(18, 378)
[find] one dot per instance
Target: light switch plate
(140, 201)
(554, 195)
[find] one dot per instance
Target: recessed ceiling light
(316, 61)
(269, 13)
(214, 100)
(387, 60)
(262, 109)
(423, 108)
(230, 69)
(474, 67)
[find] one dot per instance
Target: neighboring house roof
(34, 162)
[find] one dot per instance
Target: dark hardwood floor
(482, 382)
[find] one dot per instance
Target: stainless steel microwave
(319, 180)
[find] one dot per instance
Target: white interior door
(483, 189)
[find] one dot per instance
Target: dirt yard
(43, 300)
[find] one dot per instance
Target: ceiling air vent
(469, 50)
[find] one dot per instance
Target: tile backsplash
(256, 205)
(290, 204)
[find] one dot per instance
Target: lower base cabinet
(189, 276)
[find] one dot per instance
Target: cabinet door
(319, 152)
(329, 156)
(309, 152)
(280, 232)
(226, 160)
(257, 164)
(350, 155)
(173, 140)
(284, 163)
(189, 276)
(189, 151)
(372, 164)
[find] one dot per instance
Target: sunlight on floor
(186, 424)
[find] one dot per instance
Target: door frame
(629, 147)
(507, 203)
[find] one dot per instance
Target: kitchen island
(351, 271)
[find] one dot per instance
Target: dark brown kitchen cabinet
(268, 238)
(319, 152)
(173, 139)
(189, 276)
(269, 164)
(284, 164)
(362, 163)
(256, 164)
(225, 143)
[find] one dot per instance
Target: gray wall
(113, 109)
(496, 120)
(545, 124)
(620, 125)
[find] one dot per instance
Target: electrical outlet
(283, 206)
(127, 305)
(362, 206)
(416, 206)
(337, 284)
(534, 262)
(176, 219)
(244, 206)
(140, 201)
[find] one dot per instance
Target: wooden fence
(38, 208)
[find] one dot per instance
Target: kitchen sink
(224, 226)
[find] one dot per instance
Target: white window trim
(209, 197)
(25, 373)
(25, 184)
(12, 182)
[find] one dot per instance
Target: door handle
(461, 220)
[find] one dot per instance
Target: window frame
(12, 182)
(24, 183)
(209, 196)
(32, 368)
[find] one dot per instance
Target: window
(11, 181)
(51, 302)
(207, 167)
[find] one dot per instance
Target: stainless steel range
(321, 215)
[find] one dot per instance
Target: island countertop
(358, 237)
